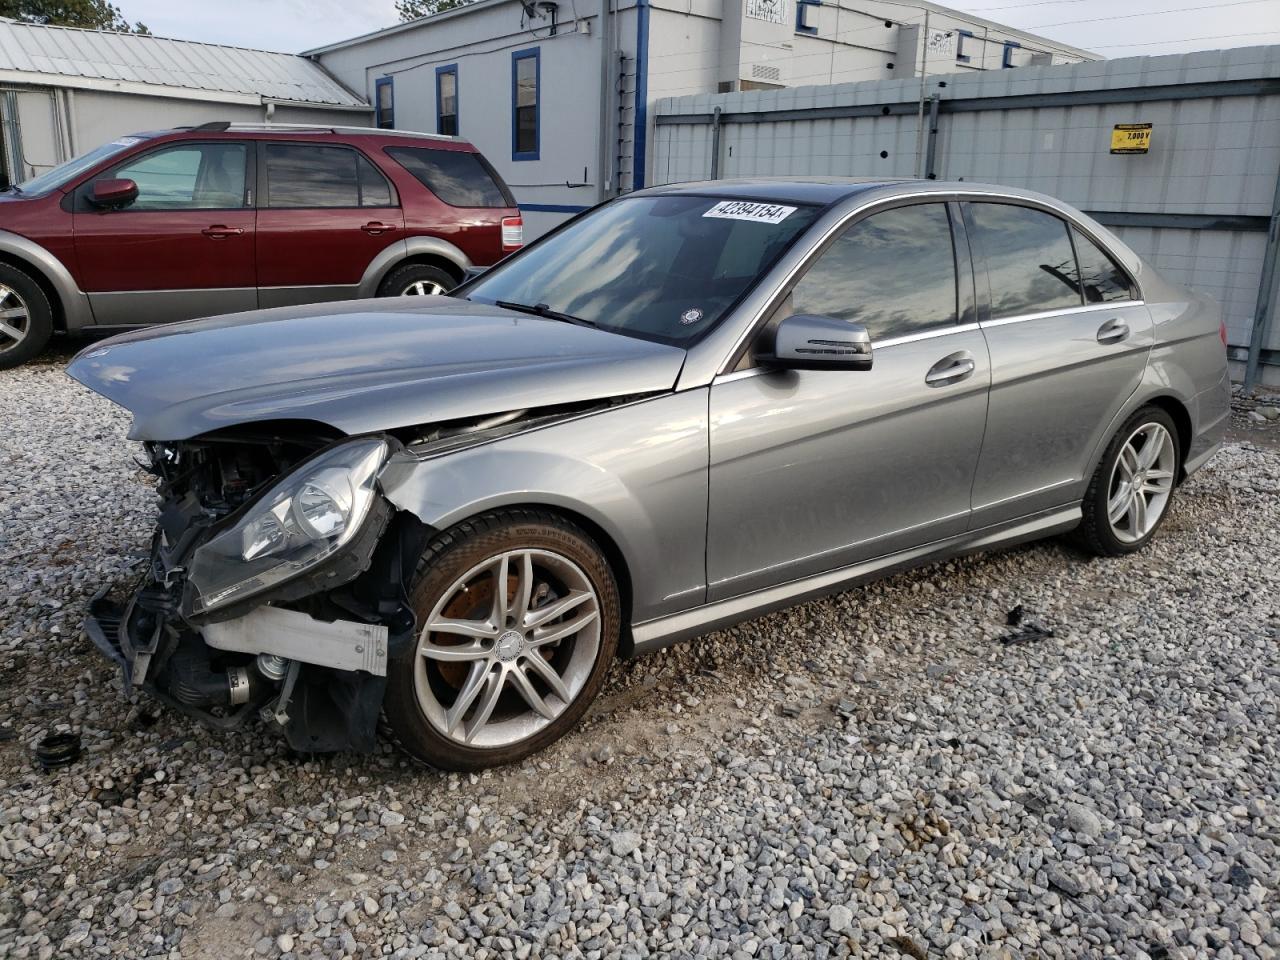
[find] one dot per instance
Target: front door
(815, 470)
(1069, 345)
(183, 248)
(325, 212)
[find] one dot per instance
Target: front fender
(75, 305)
(638, 472)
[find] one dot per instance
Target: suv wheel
(1129, 495)
(26, 318)
(519, 616)
(416, 280)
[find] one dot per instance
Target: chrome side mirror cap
(809, 342)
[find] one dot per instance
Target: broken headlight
(300, 522)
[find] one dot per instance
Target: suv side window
(1030, 263)
(188, 176)
(894, 273)
(459, 178)
(302, 175)
(1100, 277)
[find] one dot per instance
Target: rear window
(459, 178)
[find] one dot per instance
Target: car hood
(363, 366)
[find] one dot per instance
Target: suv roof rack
(221, 126)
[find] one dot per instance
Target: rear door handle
(1113, 331)
(375, 227)
(951, 369)
(220, 232)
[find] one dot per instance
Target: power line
(1150, 13)
(1156, 43)
(1020, 6)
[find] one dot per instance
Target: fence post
(715, 144)
(1264, 312)
(931, 152)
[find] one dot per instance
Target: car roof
(320, 132)
(813, 190)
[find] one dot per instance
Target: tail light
(512, 233)
(1222, 332)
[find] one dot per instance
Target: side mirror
(808, 342)
(113, 193)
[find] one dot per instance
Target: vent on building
(762, 71)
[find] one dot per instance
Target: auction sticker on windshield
(746, 210)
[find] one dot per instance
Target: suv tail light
(512, 233)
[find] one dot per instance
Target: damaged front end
(274, 586)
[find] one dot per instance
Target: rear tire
(518, 618)
(1129, 495)
(26, 317)
(417, 279)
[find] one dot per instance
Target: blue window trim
(961, 56)
(553, 207)
(377, 103)
(457, 98)
(802, 25)
(516, 57)
(1009, 46)
(641, 134)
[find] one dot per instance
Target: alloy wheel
(423, 288)
(15, 318)
(1141, 482)
(507, 648)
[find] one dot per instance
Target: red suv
(225, 217)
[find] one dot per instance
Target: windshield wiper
(544, 311)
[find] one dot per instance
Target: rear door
(812, 470)
(1069, 343)
(324, 212)
(184, 248)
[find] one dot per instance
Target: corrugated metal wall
(1198, 205)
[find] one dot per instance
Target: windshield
(65, 172)
(663, 268)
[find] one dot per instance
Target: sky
(1113, 28)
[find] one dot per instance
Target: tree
(413, 9)
(90, 14)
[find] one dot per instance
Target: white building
(64, 91)
(558, 96)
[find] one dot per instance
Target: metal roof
(133, 63)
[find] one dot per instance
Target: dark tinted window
(189, 176)
(525, 106)
(1101, 278)
(458, 178)
(309, 175)
(664, 268)
(894, 273)
(1029, 259)
(447, 101)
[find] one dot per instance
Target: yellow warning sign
(1131, 138)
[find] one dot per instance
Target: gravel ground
(872, 775)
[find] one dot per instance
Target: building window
(525, 69)
(384, 102)
(802, 24)
(447, 100)
(961, 56)
(1009, 47)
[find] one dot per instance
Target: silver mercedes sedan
(445, 517)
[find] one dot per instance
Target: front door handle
(1113, 331)
(220, 232)
(951, 369)
(375, 227)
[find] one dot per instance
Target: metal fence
(1203, 204)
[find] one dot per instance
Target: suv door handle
(375, 227)
(1113, 331)
(951, 369)
(220, 232)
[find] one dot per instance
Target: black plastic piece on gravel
(1031, 633)
(58, 750)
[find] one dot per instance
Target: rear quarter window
(459, 178)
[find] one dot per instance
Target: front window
(524, 105)
(188, 176)
(64, 173)
(664, 268)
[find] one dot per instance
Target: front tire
(26, 317)
(518, 620)
(1128, 497)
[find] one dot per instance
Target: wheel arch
(70, 305)
(1181, 418)
(433, 250)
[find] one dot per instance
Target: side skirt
(665, 631)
